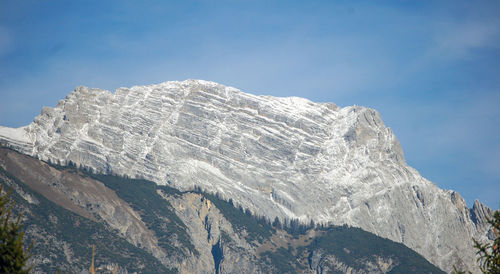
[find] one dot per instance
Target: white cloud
(458, 40)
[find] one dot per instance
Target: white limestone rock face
(285, 157)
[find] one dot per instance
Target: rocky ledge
(279, 157)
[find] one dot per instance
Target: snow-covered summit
(16, 138)
(285, 157)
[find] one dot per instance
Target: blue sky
(431, 68)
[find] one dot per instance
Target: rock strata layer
(284, 157)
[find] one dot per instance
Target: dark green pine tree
(489, 253)
(13, 257)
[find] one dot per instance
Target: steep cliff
(284, 157)
(138, 226)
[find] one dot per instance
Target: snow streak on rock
(285, 157)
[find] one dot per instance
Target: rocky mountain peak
(278, 157)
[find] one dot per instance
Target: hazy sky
(432, 69)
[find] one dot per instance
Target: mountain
(138, 226)
(277, 157)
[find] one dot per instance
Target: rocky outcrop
(285, 157)
(138, 226)
(84, 196)
(222, 250)
(322, 263)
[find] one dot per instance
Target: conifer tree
(13, 257)
(489, 254)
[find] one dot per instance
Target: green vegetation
(489, 254)
(283, 260)
(58, 231)
(256, 228)
(351, 246)
(156, 212)
(354, 245)
(13, 257)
